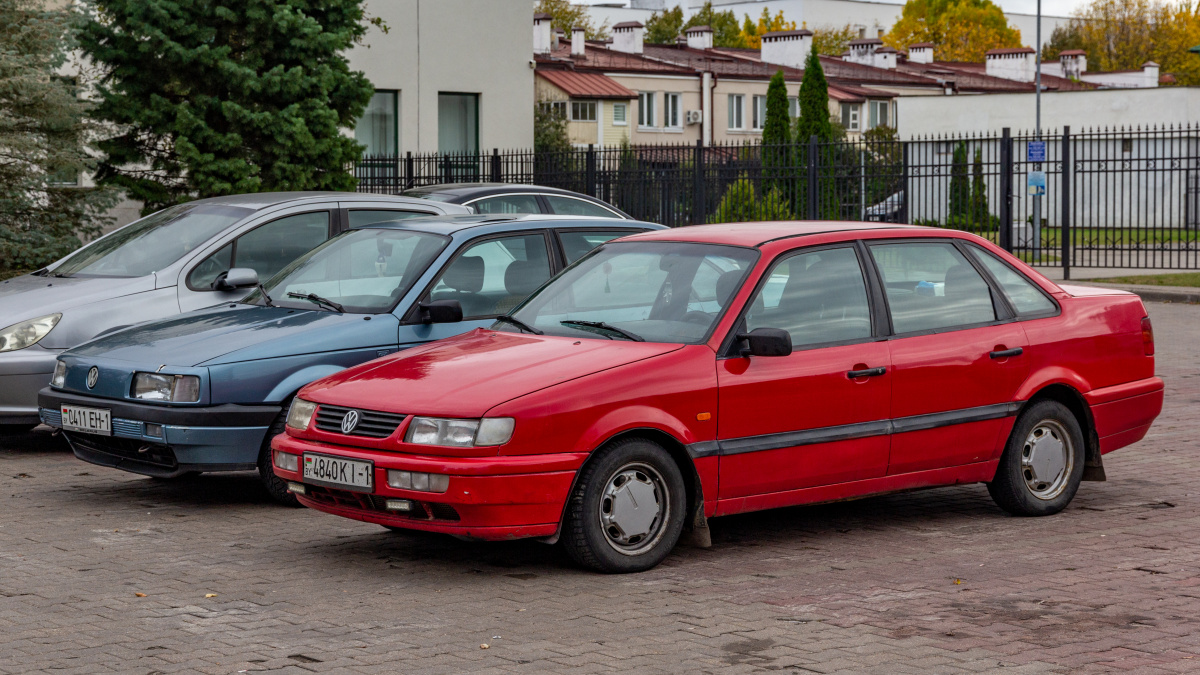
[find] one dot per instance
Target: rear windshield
(152, 243)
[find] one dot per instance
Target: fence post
(589, 174)
(446, 168)
(410, 179)
(904, 183)
(813, 209)
(699, 200)
(1064, 231)
(1006, 190)
(496, 165)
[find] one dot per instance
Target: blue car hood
(229, 334)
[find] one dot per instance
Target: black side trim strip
(790, 439)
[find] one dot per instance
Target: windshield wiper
(603, 326)
(313, 297)
(266, 298)
(519, 324)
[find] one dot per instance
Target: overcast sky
(1053, 7)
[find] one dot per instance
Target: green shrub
(741, 204)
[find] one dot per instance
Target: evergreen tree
(43, 130)
(814, 103)
(979, 200)
(210, 100)
(960, 185)
(777, 137)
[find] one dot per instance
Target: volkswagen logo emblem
(350, 421)
(93, 375)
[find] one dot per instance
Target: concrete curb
(1151, 293)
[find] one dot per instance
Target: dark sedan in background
(506, 198)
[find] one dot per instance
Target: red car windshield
(653, 291)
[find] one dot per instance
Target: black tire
(276, 487)
(15, 429)
(1015, 487)
(586, 538)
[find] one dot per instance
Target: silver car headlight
(27, 333)
(59, 378)
(160, 387)
(300, 414)
(460, 433)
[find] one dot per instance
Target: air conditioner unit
(695, 116)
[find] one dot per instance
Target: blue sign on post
(1036, 183)
(1035, 151)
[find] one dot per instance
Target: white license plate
(344, 473)
(87, 420)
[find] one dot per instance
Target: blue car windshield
(152, 243)
(363, 271)
(652, 291)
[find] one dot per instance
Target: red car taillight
(1147, 336)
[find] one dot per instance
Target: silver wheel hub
(1047, 459)
(633, 508)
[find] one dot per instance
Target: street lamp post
(1037, 131)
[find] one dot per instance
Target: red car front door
(799, 421)
(955, 366)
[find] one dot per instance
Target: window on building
(736, 113)
(378, 127)
(583, 111)
(558, 108)
(620, 114)
(793, 107)
(850, 113)
(646, 109)
(760, 113)
(878, 116)
(673, 118)
(458, 123)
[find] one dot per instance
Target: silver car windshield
(152, 243)
(363, 271)
(651, 291)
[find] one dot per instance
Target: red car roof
(755, 234)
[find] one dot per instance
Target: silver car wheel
(1047, 460)
(634, 508)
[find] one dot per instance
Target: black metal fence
(1111, 198)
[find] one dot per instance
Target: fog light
(154, 430)
(399, 505)
(414, 480)
(286, 461)
(298, 488)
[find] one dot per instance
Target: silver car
(170, 262)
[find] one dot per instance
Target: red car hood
(465, 376)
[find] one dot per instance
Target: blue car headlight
(160, 387)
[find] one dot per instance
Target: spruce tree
(211, 99)
(979, 199)
(777, 137)
(960, 187)
(814, 103)
(44, 211)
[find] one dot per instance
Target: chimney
(699, 37)
(559, 36)
(786, 48)
(577, 41)
(1149, 75)
(863, 50)
(1012, 64)
(627, 37)
(922, 52)
(1073, 62)
(541, 33)
(885, 57)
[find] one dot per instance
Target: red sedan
(678, 375)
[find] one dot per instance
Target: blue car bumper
(144, 440)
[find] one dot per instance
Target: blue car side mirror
(441, 311)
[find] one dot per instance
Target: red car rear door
(956, 356)
(796, 421)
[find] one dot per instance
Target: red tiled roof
(973, 77)
(1073, 52)
(1010, 50)
(921, 44)
(585, 85)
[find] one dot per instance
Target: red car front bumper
(488, 497)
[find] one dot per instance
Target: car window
(570, 206)
(203, 275)
(816, 297)
(152, 243)
(365, 217)
(658, 291)
(493, 276)
(507, 204)
(266, 249)
(930, 285)
(578, 244)
(1024, 295)
(365, 270)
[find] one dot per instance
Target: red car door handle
(869, 372)
(1005, 353)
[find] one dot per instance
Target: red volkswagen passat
(678, 375)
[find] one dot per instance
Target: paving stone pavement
(936, 581)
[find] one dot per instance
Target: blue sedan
(206, 391)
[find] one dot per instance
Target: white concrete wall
(459, 46)
(924, 115)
